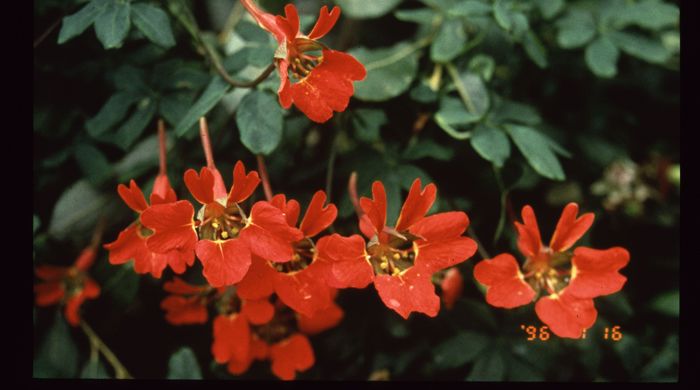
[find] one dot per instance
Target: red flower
(70, 285)
(400, 260)
(321, 79)
(131, 243)
(571, 279)
(297, 280)
(451, 286)
(187, 304)
(223, 237)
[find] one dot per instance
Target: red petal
(452, 286)
(290, 209)
(258, 312)
(322, 320)
(162, 191)
(442, 226)
(258, 283)
(178, 260)
(375, 208)
(73, 307)
(201, 186)
(179, 286)
(317, 216)
(129, 245)
(237, 367)
(243, 185)
(595, 272)
(291, 355)
(290, 24)
(51, 272)
(529, 241)
(285, 89)
(569, 228)
(86, 258)
(258, 348)
(132, 196)
(49, 293)
(343, 261)
(416, 205)
(91, 289)
(506, 286)
(304, 292)
(172, 225)
(435, 256)
(225, 262)
(268, 234)
(328, 87)
(231, 338)
(325, 22)
(408, 292)
(566, 315)
(184, 310)
(265, 20)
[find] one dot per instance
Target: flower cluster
(272, 274)
(570, 279)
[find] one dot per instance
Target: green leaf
(482, 65)
(153, 23)
(449, 42)
(452, 116)
(420, 16)
(459, 350)
(113, 23)
(406, 174)
(58, 355)
(122, 286)
(93, 163)
(490, 366)
(76, 210)
(363, 9)
(491, 144)
(575, 29)
(502, 15)
(259, 120)
(216, 90)
(601, 57)
(640, 47)
(427, 148)
(130, 78)
(534, 49)
(183, 365)
(94, 369)
(142, 157)
(667, 303)
(390, 71)
(173, 107)
(519, 371)
(132, 129)
(664, 361)
(550, 8)
(475, 88)
(652, 14)
(537, 150)
(77, 23)
(367, 123)
(36, 224)
(111, 113)
(469, 8)
(510, 111)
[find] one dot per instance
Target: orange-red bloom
(70, 285)
(223, 236)
(316, 79)
(186, 304)
(131, 242)
(402, 259)
(297, 280)
(452, 285)
(571, 279)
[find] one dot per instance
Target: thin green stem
(461, 88)
(120, 372)
(504, 198)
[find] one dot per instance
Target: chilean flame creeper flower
(570, 279)
(316, 79)
(70, 285)
(131, 242)
(297, 281)
(400, 260)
